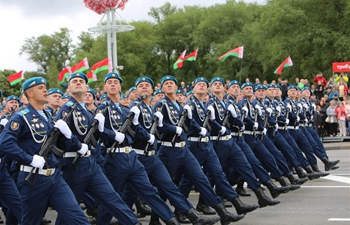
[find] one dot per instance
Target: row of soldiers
(113, 155)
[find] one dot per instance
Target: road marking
(339, 219)
(303, 186)
(345, 180)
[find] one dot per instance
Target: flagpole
(178, 71)
(240, 73)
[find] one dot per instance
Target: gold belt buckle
(182, 144)
(127, 150)
(87, 154)
(206, 139)
(151, 153)
(227, 137)
(48, 172)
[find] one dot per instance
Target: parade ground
(325, 201)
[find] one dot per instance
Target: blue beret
(158, 91)
(233, 82)
(144, 79)
(217, 79)
(78, 75)
(178, 91)
(12, 97)
(167, 77)
(270, 86)
(189, 93)
(103, 96)
(259, 86)
(112, 75)
(246, 85)
(64, 86)
(298, 88)
(31, 82)
(133, 88)
(92, 92)
(279, 86)
(54, 90)
(200, 79)
(152, 98)
(306, 89)
(291, 87)
(123, 96)
(65, 96)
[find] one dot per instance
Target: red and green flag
(16, 78)
(180, 61)
(91, 76)
(286, 63)
(236, 52)
(192, 56)
(105, 64)
(64, 74)
(81, 66)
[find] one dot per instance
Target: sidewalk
(344, 145)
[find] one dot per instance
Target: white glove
(276, 127)
(243, 128)
(300, 107)
(212, 112)
(245, 109)
(151, 139)
(298, 118)
(203, 131)
(119, 137)
(259, 109)
(101, 121)
(63, 127)
(289, 107)
(223, 130)
(314, 106)
(178, 130)
(264, 131)
(256, 125)
(305, 106)
(278, 109)
(38, 161)
(135, 110)
(269, 110)
(84, 149)
(4, 121)
(306, 120)
(287, 122)
(232, 110)
(189, 111)
(160, 118)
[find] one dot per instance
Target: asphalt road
(325, 201)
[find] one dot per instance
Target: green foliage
(314, 33)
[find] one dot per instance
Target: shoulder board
(69, 103)
(23, 112)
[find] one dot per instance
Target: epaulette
(104, 102)
(23, 112)
(69, 103)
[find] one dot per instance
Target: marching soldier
(54, 99)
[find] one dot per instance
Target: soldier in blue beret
(89, 100)
(176, 156)
(21, 140)
(201, 146)
(166, 78)
(124, 100)
(87, 174)
(103, 97)
(11, 105)
(65, 99)
(181, 97)
(158, 95)
(54, 99)
(122, 165)
(132, 94)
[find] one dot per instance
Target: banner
(341, 66)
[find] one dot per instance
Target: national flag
(236, 52)
(105, 64)
(286, 63)
(91, 76)
(64, 74)
(16, 78)
(81, 66)
(192, 56)
(179, 62)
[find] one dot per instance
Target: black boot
(284, 183)
(316, 169)
(93, 220)
(330, 165)
(311, 174)
(296, 181)
(274, 190)
(242, 208)
(301, 172)
(240, 189)
(181, 217)
(93, 212)
(45, 221)
(154, 220)
(225, 216)
(203, 208)
(172, 221)
(142, 209)
(195, 219)
(263, 200)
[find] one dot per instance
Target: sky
(22, 19)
